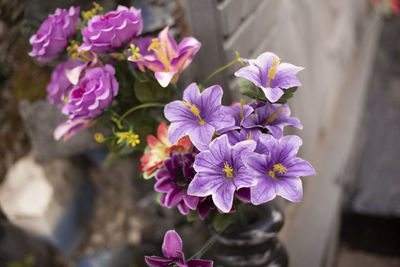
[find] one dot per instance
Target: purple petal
(191, 201)
(183, 209)
(264, 191)
(173, 197)
(204, 184)
(272, 94)
(154, 261)
(205, 162)
(200, 135)
(250, 73)
(243, 194)
(163, 185)
(286, 76)
(175, 131)
(300, 167)
(255, 162)
(172, 245)
(223, 196)
(200, 263)
(290, 188)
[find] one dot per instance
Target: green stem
(146, 105)
(237, 59)
(210, 242)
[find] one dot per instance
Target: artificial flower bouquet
(211, 158)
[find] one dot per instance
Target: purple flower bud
(52, 36)
(92, 94)
(112, 30)
(57, 89)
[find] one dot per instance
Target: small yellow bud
(99, 137)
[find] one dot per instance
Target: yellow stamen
(273, 116)
(99, 137)
(249, 136)
(91, 13)
(134, 50)
(272, 71)
(156, 47)
(72, 50)
(227, 170)
(242, 108)
(129, 137)
(277, 168)
(195, 111)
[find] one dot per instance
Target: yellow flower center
(272, 117)
(272, 71)
(195, 111)
(162, 56)
(129, 137)
(228, 170)
(277, 168)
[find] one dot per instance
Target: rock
(40, 119)
(50, 200)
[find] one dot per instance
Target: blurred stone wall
(335, 41)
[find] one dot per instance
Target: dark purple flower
(112, 30)
(172, 250)
(278, 172)
(173, 181)
(270, 75)
(272, 117)
(244, 134)
(198, 116)
(93, 93)
(52, 36)
(221, 172)
(238, 111)
(58, 88)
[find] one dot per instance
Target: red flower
(159, 148)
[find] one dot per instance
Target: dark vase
(254, 245)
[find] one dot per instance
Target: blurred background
(60, 206)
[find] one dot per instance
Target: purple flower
(94, 92)
(239, 112)
(57, 89)
(165, 57)
(198, 116)
(272, 117)
(173, 180)
(112, 30)
(172, 250)
(221, 172)
(52, 36)
(270, 75)
(244, 134)
(278, 172)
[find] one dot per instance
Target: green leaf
(288, 93)
(151, 91)
(192, 216)
(247, 88)
(222, 220)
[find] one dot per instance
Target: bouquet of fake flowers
(211, 158)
